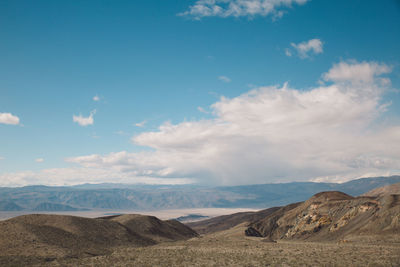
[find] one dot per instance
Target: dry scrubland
(232, 248)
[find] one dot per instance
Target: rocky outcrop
(331, 216)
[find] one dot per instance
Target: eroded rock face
(331, 216)
(252, 232)
(308, 223)
(352, 213)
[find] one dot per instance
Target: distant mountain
(46, 206)
(191, 218)
(9, 206)
(155, 197)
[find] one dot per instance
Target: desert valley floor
(232, 248)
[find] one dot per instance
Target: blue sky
(159, 70)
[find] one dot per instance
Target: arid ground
(232, 248)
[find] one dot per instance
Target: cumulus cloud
(39, 160)
(305, 49)
(8, 118)
(270, 134)
(239, 8)
(84, 121)
(275, 134)
(224, 79)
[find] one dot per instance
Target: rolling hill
(37, 238)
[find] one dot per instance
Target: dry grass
(231, 248)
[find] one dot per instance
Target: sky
(218, 92)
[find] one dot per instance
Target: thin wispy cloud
(96, 98)
(288, 52)
(306, 49)
(141, 124)
(73, 176)
(224, 79)
(95, 136)
(122, 133)
(239, 8)
(39, 160)
(84, 121)
(202, 110)
(8, 118)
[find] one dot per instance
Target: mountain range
(155, 197)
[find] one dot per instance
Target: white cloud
(364, 72)
(141, 124)
(96, 98)
(273, 134)
(239, 8)
(224, 79)
(39, 160)
(304, 49)
(2, 158)
(84, 121)
(8, 118)
(270, 134)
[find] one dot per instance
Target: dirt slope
(225, 222)
(393, 189)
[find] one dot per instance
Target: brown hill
(155, 229)
(225, 222)
(393, 189)
(331, 216)
(46, 237)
